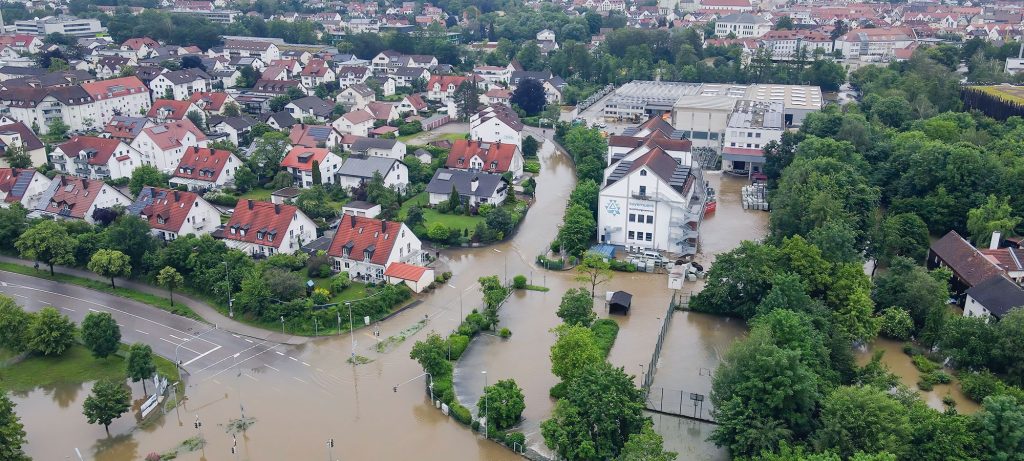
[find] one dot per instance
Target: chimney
(994, 244)
(474, 184)
(250, 204)
(177, 196)
(383, 226)
(277, 208)
(353, 220)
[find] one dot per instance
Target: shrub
(979, 385)
(515, 438)
(555, 264)
(558, 390)
(519, 282)
(321, 296)
(621, 266)
(896, 323)
(605, 331)
(477, 321)
(444, 390)
(340, 282)
(458, 344)
(476, 426)
(460, 413)
(923, 364)
(505, 333)
(446, 276)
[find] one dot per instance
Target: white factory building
(752, 125)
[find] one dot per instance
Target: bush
(621, 266)
(519, 282)
(476, 426)
(896, 323)
(219, 198)
(930, 379)
(977, 386)
(340, 282)
(605, 331)
(458, 344)
(923, 364)
(558, 390)
(460, 413)
(531, 166)
(554, 264)
(515, 438)
(505, 333)
(444, 390)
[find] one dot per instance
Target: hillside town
(505, 229)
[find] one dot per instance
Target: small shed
(415, 277)
(605, 250)
(360, 208)
(620, 302)
(284, 195)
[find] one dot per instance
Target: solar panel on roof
(21, 184)
(444, 176)
(159, 129)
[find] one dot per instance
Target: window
(643, 172)
(643, 190)
(631, 235)
(650, 219)
(650, 237)
(632, 217)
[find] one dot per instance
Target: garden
(454, 222)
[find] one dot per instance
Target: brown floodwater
(900, 364)
(303, 396)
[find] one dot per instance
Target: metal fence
(652, 367)
(678, 402)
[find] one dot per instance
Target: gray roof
(362, 144)
(408, 72)
(742, 18)
(365, 167)
(998, 295)
(315, 104)
(283, 118)
(185, 76)
(444, 178)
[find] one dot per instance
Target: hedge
(605, 331)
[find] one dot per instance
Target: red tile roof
(167, 209)
(302, 157)
(169, 109)
(169, 135)
(138, 42)
(8, 177)
(113, 88)
(405, 271)
(210, 101)
(360, 235)
(315, 68)
(445, 80)
(262, 223)
(104, 148)
(202, 163)
(496, 157)
(77, 193)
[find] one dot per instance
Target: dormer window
(259, 235)
(160, 220)
(234, 231)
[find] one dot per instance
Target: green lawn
(432, 216)
(76, 365)
(257, 193)
(354, 291)
(159, 302)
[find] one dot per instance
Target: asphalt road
(202, 349)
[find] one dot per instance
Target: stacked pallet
(755, 197)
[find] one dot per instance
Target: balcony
(641, 196)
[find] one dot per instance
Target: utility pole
(351, 332)
(487, 418)
(227, 278)
(330, 449)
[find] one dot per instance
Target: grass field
(431, 216)
(1009, 93)
(353, 292)
(76, 365)
(153, 300)
(257, 193)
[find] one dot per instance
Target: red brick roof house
(299, 161)
(22, 185)
(364, 247)
(68, 197)
(264, 228)
(95, 158)
(164, 110)
(483, 156)
(172, 213)
(163, 145)
(203, 168)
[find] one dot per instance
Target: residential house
(742, 25)
(21, 185)
(264, 228)
(495, 76)
(315, 73)
(408, 76)
(310, 107)
(474, 187)
(356, 96)
(383, 111)
(142, 46)
(180, 84)
(314, 136)
(301, 162)
(279, 120)
(497, 96)
(442, 87)
(366, 247)
(379, 147)
(412, 105)
(490, 157)
(125, 129)
(352, 75)
(786, 45)
(358, 169)
(417, 278)
(165, 110)
(213, 103)
(95, 158)
(162, 146)
(202, 169)
(80, 107)
(496, 124)
(235, 127)
(14, 133)
(361, 208)
(68, 197)
(993, 298)
(173, 213)
(277, 87)
(22, 43)
(877, 43)
(112, 66)
(357, 122)
(266, 51)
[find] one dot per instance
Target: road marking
(496, 250)
(234, 356)
(279, 353)
(248, 340)
(93, 310)
(453, 286)
(200, 356)
(179, 345)
(232, 334)
(179, 339)
(120, 325)
(294, 359)
(299, 380)
(271, 367)
(68, 309)
(306, 364)
(143, 332)
(252, 378)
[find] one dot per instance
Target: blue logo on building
(613, 208)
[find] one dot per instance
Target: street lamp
(351, 331)
(227, 278)
(487, 419)
(282, 325)
(238, 370)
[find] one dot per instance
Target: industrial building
(752, 125)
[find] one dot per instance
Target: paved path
(207, 312)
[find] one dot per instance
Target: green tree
(1001, 428)
(904, 234)
(317, 175)
(47, 241)
(14, 325)
(414, 217)
(146, 175)
(855, 318)
(739, 280)
(139, 365)
(101, 334)
(784, 23)
(896, 323)
(867, 419)
(245, 179)
(646, 445)
(277, 103)
(911, 287)
(577, 308)
(593, 270)
(108, 401)
(12, 432)
(12, 224)
(600, 411)
(17, 156)
(432, 355)
(530, 146)
(1010, 331)
(110, 264)
(130, 235)
(467, 99)
(231, 109)
(577, 230)
(50, 333)
(170, 278)
(529, 96)
(995, 215)
(254, 295)
(574, 349)
(586, 194)
(502, 403)
(197, 119)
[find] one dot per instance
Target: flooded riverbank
(899, 363)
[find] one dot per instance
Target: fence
(652, 367)
(677, 402)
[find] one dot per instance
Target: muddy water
(899, 364)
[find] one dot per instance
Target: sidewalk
(207, 312)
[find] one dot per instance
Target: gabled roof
(403, 271)
(360, 237)
(29, 138)
(97, 150)
(998, 295)
(380, 110)
(164, 209)
(261, 223)
(365, 167)
(964, 259)
(70, 196)
(14, 182)
(445, 80)
(362, 144)
(444, 179)
(416, 101)
(211, 101)
(178, 77)
(318, 106)
(114, 88)
(169, 108)
(496, 157)
(275, 86)
(125, 128)
(139, 42)
(310, 135)
(169, 135)
(358, 116)
(502, 113)
(202, 163)
(283, 118)
(302, 158)
(315, 68)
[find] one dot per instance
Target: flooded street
(899, 363)
(302, 396)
